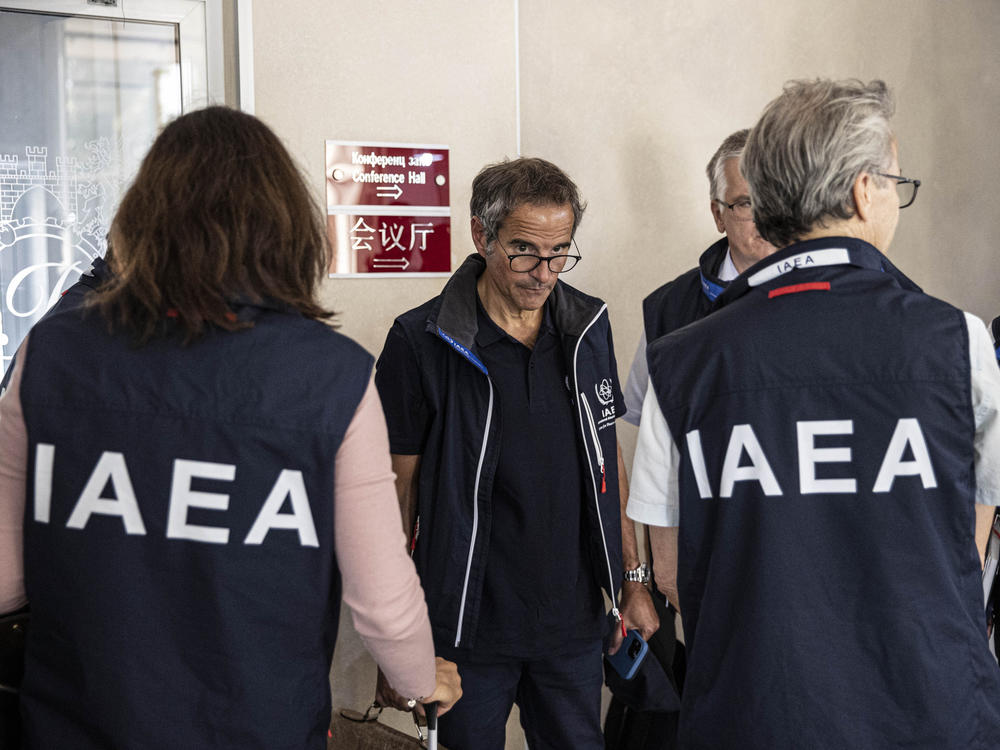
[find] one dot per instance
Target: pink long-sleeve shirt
(380, 584)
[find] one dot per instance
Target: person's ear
(864, 195)
(717, 209)
(479, 236)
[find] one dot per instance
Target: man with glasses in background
(827, 446)
(691, 295)
(501, 396)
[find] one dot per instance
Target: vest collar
(807, 256)
(247, 308)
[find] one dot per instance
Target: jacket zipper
(600, 456)
(475, 517)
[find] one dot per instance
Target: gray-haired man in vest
(821, 456)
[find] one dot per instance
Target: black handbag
(351, 730)
(13, 633)
(643, 712)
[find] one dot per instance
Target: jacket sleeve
(398, 377)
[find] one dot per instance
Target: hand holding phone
(629, 656)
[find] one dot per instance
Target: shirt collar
(727, 271)
(488, 332)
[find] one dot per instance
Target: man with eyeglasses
(827, 446)
(691, 295)
(501, 396)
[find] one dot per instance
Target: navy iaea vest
(179, 556)
(688, 297)
(829, 582)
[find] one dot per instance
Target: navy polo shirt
(539, 594)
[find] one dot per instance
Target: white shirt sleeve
(654, 497)
(986, 408)
(635, 386)
(638, 375)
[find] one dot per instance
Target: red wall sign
(387, 208)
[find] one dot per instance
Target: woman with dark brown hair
(217, 212)
(194, 469)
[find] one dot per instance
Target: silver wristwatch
(639, 575)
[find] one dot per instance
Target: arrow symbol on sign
(401, 263)
(386, 191)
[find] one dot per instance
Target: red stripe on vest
(812, 286)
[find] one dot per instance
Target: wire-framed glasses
(906, 188)
(742, 209)
(528, 262)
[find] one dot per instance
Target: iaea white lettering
(111, 468)
(743, 440)
(908, 433)
(831, 256)
(810, 455)
(183, 497)
(290, 484)
(698, 464)
(799, 261)
(43, 481)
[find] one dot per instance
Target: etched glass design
(80, 103)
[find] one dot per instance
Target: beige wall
(631, 98)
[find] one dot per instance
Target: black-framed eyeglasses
(742, 209)
(906, 188)
(528, 262)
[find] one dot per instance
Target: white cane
(431, 709)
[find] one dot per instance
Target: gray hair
(500, 188)
(731, 148)
(804, 155)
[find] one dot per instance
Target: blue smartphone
(626, 660)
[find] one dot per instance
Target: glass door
(81, 99)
